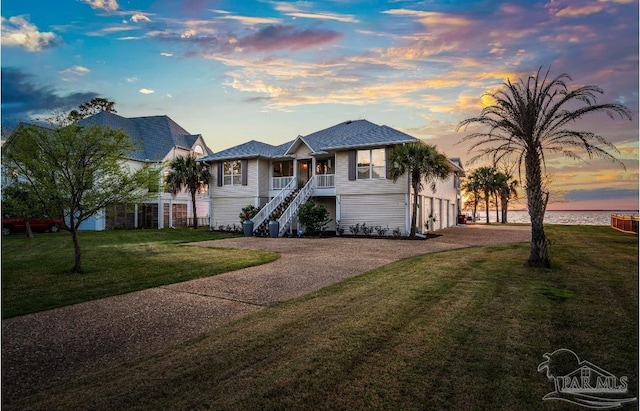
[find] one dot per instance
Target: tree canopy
(75, 171)
(185, 172)
(423, 163)
(532, 118)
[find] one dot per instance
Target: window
(324, 166)
(231, 173)
(198, 151)
(371, 164)
(283, 169)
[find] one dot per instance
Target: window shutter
(243, 171)
(387, 157)
(352, 165)
(220, 174)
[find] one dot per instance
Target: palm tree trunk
(497, 208)
(486, 205)
(414, 212)
(193, 207)
(505, 205)
(475, 206)
(536, 203)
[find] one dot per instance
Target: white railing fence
(325, 180)
(266, 211)
(287, 216)
(279, 183)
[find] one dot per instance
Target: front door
(304, 172)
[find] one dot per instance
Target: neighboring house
(160, 140)
(343, 167)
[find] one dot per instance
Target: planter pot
(247, 228)
(274, 229)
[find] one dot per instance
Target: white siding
(330, 204)
(373, 186)
(226, 210)
(374, 210)
(264, 175)
(239, 190)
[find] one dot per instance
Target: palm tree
(531, 118)
(186, 172)
(472, 186)
(422, 162)
(485, 177)
(506, 189)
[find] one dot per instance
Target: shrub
(313, 217)
(248, 213)
(381, 231)
(366, 230)
(354, 229)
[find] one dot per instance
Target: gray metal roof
(156, 135)
(347, 135)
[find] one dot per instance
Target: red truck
(18, 224)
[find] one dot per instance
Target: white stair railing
(268, 208)
(287, 216)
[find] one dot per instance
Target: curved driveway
(48, 348)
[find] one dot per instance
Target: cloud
(251, 21)
(76, 70)
(429, 18)
(146, 91)
(293, 11)
(273, 38)
(72, 73)
(137, 17)
(22, 97)
(106, 5)
(165, 54)
(576, 11)
(16, 31)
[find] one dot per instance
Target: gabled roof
(347, 135)
(355, 134)
(157, 135)
(249, 149)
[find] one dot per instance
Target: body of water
(578, 217)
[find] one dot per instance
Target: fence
(625, 223)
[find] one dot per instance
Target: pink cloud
(273, 38)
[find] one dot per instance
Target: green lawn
(460, 330)
(36, 274)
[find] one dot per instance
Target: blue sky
(234, 71)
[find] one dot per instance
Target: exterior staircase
(283, 208)
(290, 212)
(263, 229)
(265, 212)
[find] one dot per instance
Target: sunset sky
(236, 71)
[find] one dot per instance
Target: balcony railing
(278, 183)
(325, 180)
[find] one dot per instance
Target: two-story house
(343, 167)
(160, 140)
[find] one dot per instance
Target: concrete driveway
(52, 347)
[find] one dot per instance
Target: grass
(36, 274)
(463, 329)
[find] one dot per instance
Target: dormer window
(198, 151)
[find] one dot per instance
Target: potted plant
(246, 216)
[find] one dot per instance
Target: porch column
(135, 216)
(313, 170)
(257, 200)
